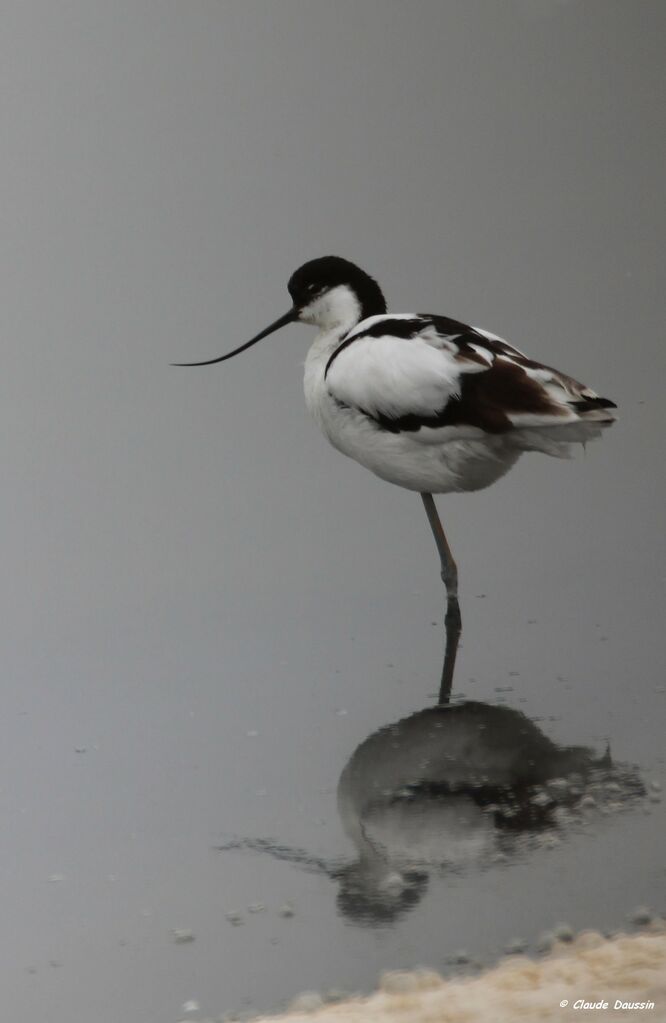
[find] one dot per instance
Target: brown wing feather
(487, 400)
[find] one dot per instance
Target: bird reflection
(452, 788)
(457, 788)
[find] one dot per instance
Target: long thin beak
(287, 318)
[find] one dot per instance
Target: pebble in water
(256, 907)
(234, 917)
(545, 941)
(515, 947)
(562, 932)
(335, 995)
(641, 916)
(286, 911)
(182, 935)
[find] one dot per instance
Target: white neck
(338, 309)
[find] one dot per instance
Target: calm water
(221, 641)
(277, 748)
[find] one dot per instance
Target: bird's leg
(452, 621)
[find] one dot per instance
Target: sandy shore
(627, 972)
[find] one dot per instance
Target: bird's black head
(328, 274)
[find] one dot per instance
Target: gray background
(184, 561)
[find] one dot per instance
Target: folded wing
(419, 373)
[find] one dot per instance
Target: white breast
(317, 397)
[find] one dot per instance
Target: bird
(425, 401)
